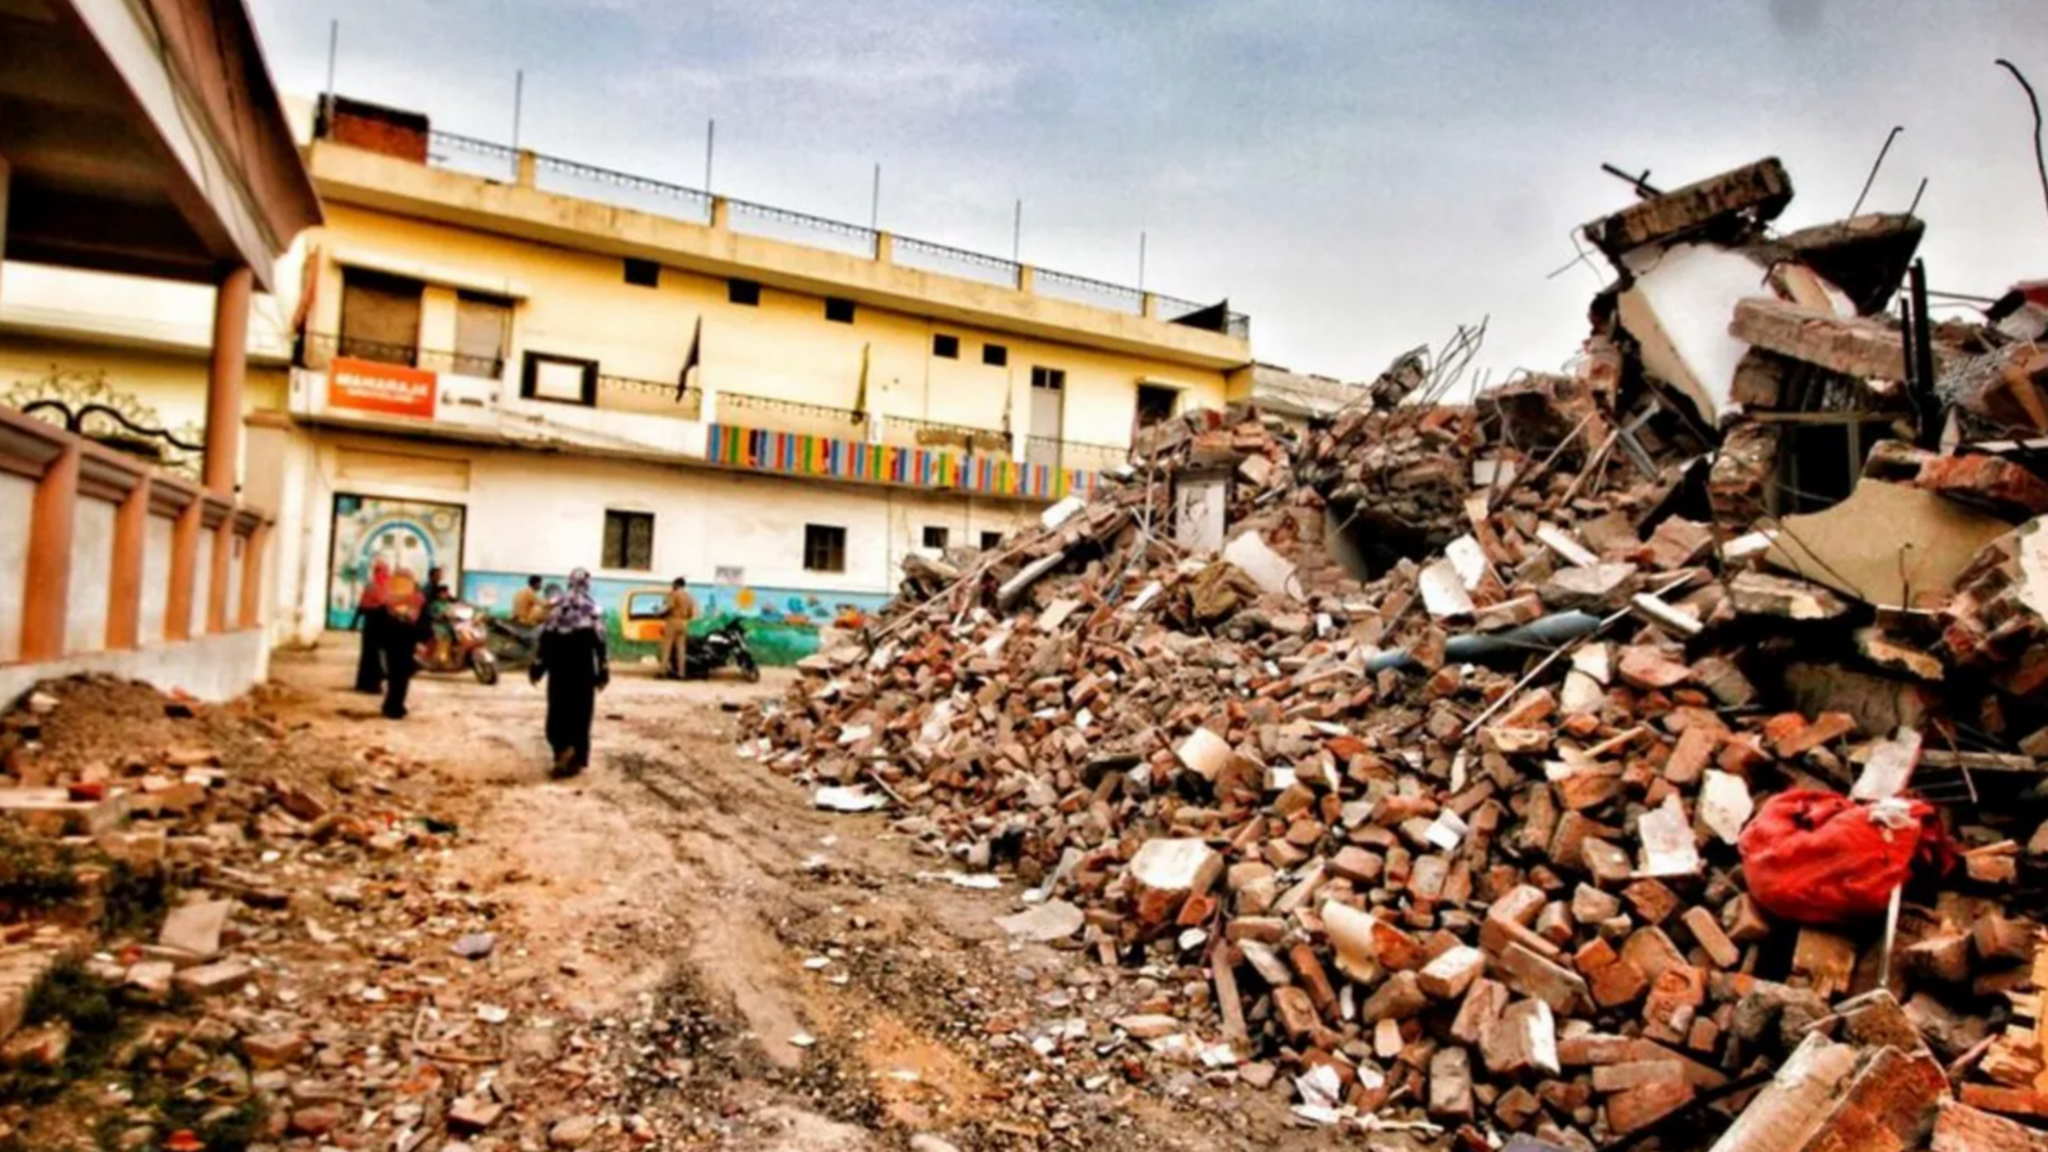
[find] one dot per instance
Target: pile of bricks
(1426, 786)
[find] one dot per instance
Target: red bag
(1821, 858)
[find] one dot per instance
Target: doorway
(1048, 416)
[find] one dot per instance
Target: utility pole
(1141, 261)
(710, 139)
(333, 46)
(1017, 234)
(518, 102)
(875, 202)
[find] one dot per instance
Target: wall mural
(783, 624)
(412, 534)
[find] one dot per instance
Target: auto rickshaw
(644, 611)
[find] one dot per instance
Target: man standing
(675, 628)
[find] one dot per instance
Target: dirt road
(709, 961)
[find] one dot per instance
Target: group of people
(395, 616)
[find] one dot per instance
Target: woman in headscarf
(572, 658)
(371, 618)
(405, 625)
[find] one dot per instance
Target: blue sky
(1358, 176)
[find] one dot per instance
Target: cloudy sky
(1358, 176)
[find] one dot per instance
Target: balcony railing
(316, 350)
(802, 418)
(499, 162)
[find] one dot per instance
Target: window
(628, 540)
(380, 316)
(838, 311)
(995, 355)
(563, 379)
(643, 273)
(936, 536)
(945, 347)
(990, 541)
(747, 292)
(824, 548)
(1156, 403)
(483, 327)
(1050, 379)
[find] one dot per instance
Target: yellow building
(506, 364)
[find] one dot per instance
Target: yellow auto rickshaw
(645, 609)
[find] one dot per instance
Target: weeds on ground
(36, 874)
(218, 1118)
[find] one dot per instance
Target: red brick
(1638, 1108)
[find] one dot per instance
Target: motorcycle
(514, 645)
(460, 644)
(720, 648)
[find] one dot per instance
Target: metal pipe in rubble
(1477, 647)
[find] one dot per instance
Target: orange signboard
(392, 389)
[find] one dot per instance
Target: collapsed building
(1459, 760)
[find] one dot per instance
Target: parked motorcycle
(514, 645)
(720, 648)
(462, 645)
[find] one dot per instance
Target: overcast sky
(1358, 176)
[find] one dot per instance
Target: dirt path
(737, 969)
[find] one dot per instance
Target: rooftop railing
(494, 161)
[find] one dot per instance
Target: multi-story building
(505, 363)
(519, 364)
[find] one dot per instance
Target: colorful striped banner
(799, 454)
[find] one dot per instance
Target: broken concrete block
(1443, 593)
(1597, 588)
(1165, 873)
(1272, 572)
(1761, 594)
(196, 928)
(1758, 191)
(1205, 754)
(215, 979)
(1725, 805)
(1450, 1083)
(1867, 349)
(1668, 845)
(1787, 1112)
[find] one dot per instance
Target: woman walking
(572, 658)
(405, 625)
(372, 617)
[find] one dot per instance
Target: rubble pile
(1418, 751)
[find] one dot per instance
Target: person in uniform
(675, 628)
